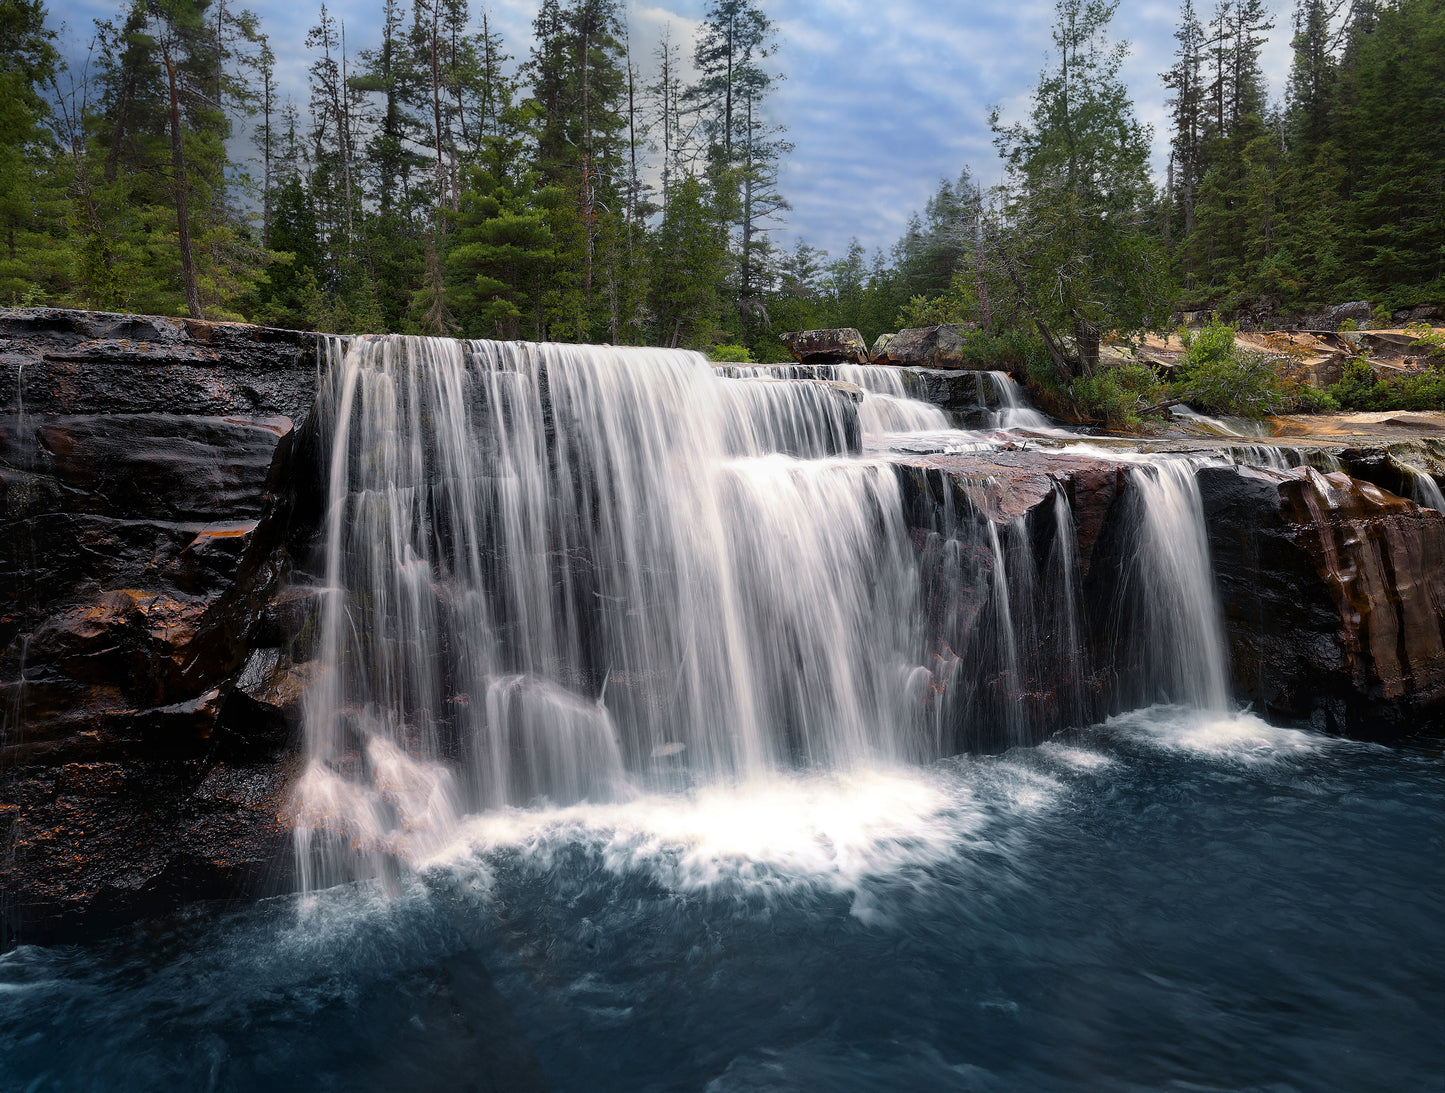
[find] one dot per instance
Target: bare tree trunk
(183, 218)
(436, 99)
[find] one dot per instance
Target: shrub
(1355, 389)
(1427, 338)
(730, 354)
(1219, 376)
(1360, 389)
(1118, 395)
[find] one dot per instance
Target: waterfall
(1423, 489)
(548, 567)
(555, 574)
(1014, 412)
(1167, 625)
(887, 405)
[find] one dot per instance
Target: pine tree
(744, 146)
(32, 244)
(1076, 251)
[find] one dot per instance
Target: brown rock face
(821, 346)
(929, 347)
(1334, 598)
(144, 505)
(1005, 540)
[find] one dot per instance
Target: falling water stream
(633, 764)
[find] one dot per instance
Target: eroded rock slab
(1334, 598)
(146, 488)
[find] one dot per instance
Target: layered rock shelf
(159, 488)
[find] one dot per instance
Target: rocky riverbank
(159, 489)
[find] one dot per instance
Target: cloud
(881, 98)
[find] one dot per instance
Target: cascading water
(560, 573)
(1423, 488)
(887, 405)
(549, 568)
(1166, 626)
(1015, 412)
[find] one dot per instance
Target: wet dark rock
(55, 361)
(1334, 598)
(821, 346)
(147, 480)
(994, 547)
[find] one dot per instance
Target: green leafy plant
(730, 354)
(1118, 396)
(1220, 376)
(1427, 338)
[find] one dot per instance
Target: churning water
(1169, 900)
(631, 767)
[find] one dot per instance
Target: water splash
(547, 566)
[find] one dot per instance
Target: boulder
(819, 346)
(1420, 313)
(1331, 317)
(929, 347)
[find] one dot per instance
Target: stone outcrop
(147, 483)
(86, 362)
(928, 347)
(159, 483)
(1334, 598)
(1355, 311)
(823, 346)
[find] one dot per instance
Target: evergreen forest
(584, 186)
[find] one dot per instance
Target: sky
(881, 98)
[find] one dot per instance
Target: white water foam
(1233, 737)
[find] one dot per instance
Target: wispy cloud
(882, 98)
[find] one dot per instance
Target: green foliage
(1355, 389)
(1427, 338)
(1217, 375)
(1360, 389)
(736, 354)
(1077, 247)
(1118, 395)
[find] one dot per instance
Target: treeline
(432, 181)
(1336, 193)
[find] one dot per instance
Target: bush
(730, 354)
(1427, 338)
(1360, 389)
(1118, 395)
(1219, 376)
(1355, 389)
(1010, 350)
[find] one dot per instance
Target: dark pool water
(1166, 902)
